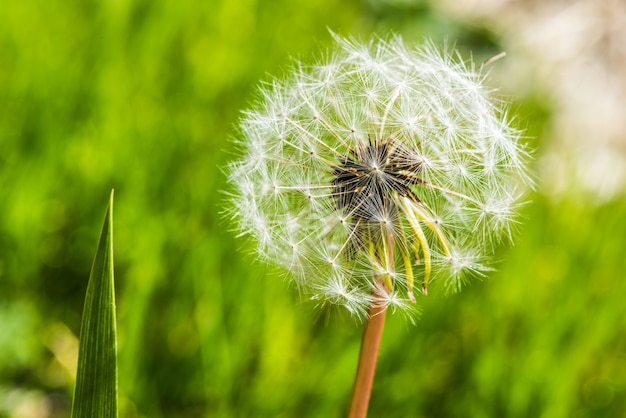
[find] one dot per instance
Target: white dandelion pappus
(382, 167)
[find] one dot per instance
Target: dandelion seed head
(381, 167)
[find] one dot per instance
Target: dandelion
(380, 169)
(376, 172)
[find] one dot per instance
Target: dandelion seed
(377, 172)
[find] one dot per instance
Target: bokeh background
(143, 96)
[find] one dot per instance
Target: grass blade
(95, 395)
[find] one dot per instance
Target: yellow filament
(423, 216)
(421, 237)
(408, 271)
(385, 259)
(408, 266)
(382, 261)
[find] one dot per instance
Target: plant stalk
(370, 344)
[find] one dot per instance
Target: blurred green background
(143, 96)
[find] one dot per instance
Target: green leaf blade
(95, 395)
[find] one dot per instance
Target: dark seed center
(365, 180)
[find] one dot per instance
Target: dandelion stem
(370, 345)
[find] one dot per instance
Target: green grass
(142, 96)
(95, 395)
